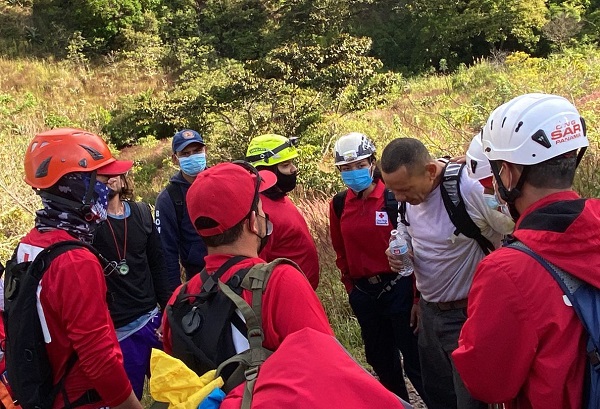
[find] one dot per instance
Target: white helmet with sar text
(353, 147)
(478, 165)
(533, 128)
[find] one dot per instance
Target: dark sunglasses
(252, 171)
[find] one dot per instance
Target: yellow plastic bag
(173, 382)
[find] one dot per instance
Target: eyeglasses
(268, 223)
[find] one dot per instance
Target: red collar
(375, 194)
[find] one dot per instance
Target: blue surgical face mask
(491, 201)
(193, 164)
(357, 179)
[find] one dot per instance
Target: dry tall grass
(37, 95)
(331, 291)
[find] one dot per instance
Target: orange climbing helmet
(53, 154)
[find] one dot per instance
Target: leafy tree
(237, 28)
(418, 34)
(100, 22)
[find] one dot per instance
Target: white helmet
(478, 165)
(532, 128)
(352, 147)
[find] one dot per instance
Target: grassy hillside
(443, 111)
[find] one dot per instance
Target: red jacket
(290, 238)
(521, 344)
(73, 298)
(312, 370)
(362, 235)
(289, 303)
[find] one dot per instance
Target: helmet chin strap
(509, 196)
(580, 154)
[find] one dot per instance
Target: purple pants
(136, 350)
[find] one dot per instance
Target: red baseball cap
(225, 193)
(117, 167)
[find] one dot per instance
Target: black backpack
(390, 206)
(27, 364)
(201, 324)
(455, 206)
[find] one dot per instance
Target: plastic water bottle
(399, 249)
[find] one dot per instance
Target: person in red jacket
(381, 299)
(291, 238)
(522, 343)
(240, 227)
(61, 165)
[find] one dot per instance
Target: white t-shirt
(445, 263)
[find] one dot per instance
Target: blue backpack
(585, 299)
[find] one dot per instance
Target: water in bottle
(399, 249)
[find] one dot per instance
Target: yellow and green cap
(271, 149)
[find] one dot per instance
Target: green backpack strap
(250, 360)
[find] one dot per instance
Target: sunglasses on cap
(253, 171)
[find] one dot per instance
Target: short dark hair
(227, 237)
(554, 173)
(409, 152)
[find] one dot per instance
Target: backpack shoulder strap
(568, 283)
(176, 196)
(455, 206)
(145, 215)
(402, 212)
(41, 263)
(256, 281)
(339, 201)
(584, 298)
(392, 207)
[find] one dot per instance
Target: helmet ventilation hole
(519, 126)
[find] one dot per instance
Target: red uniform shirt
(73, 299)
(290, 238)
(362, 235)
(289, 303)
(522, 344)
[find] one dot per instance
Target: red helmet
(53, 154)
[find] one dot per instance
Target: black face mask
(285, 183)
(268, 230)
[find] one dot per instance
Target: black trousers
(384, 319)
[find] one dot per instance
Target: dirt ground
(415, 399)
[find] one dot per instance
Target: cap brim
(117, 167)
(268, 179)
(185, 144)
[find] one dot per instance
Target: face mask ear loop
(505, 194)
(516, 191)
(580, 155)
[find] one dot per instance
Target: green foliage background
(135, 71)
